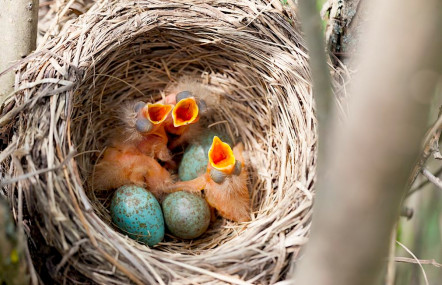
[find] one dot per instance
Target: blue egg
(187, 215)
(138, 214)
(195, 158)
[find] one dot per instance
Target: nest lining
(67, 105)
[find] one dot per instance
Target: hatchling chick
(192, 100)
(183, 124)
(224, 183)
(124, 165)
(144, 127)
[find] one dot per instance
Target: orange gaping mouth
(157, 113)
(221, 156)
(185, 112)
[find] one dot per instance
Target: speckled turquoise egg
(187, 215)
(195, 159)
(138, 214)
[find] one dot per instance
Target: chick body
(153, 142)
(230, 197)
(125, 165)
(204, 97)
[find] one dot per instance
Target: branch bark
(322, 88)
(418, 261)
(344, 26)
(435, 180)
(369, 158)
(18, 29)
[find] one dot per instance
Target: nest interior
(66, 104)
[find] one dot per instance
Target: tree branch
(433, 179)
(431, 139)
(322, 89)
(18, 27)
(369, 158)
(418, 261)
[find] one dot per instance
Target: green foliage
(12, 264)
(422, 235)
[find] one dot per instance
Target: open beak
(157, 113)
(185, 112)
(221, 156)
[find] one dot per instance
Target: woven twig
(53, 14)
(65, 106)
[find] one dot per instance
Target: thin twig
(435, 180)
(423, 183)
(416, 259)
(431, 137)
(38, 172)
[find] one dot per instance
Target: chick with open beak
(131, 156)
(144, 127)
(185, 114)
(224, 183)
(150, 117)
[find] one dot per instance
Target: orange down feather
(230, 197)
(124, 165)
(153, 142)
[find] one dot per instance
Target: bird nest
(66, 104)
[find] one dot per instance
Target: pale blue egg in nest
(187, 215)
(195, 159)
(138, 214)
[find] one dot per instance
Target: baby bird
(144, 127)
(192, 100)
(224, 183)
(125, 164)
(185, 114)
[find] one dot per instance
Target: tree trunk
(18, 29)
(369, 157)
(344, 26)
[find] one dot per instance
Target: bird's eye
(143, 125)
(139, 105)
(217, 176)
(238, 168)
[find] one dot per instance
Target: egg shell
(195, 158)
(138, 214)
(187, 215)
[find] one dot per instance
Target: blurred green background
(422, 234)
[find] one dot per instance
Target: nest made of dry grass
(64, 107)
(53, 14)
